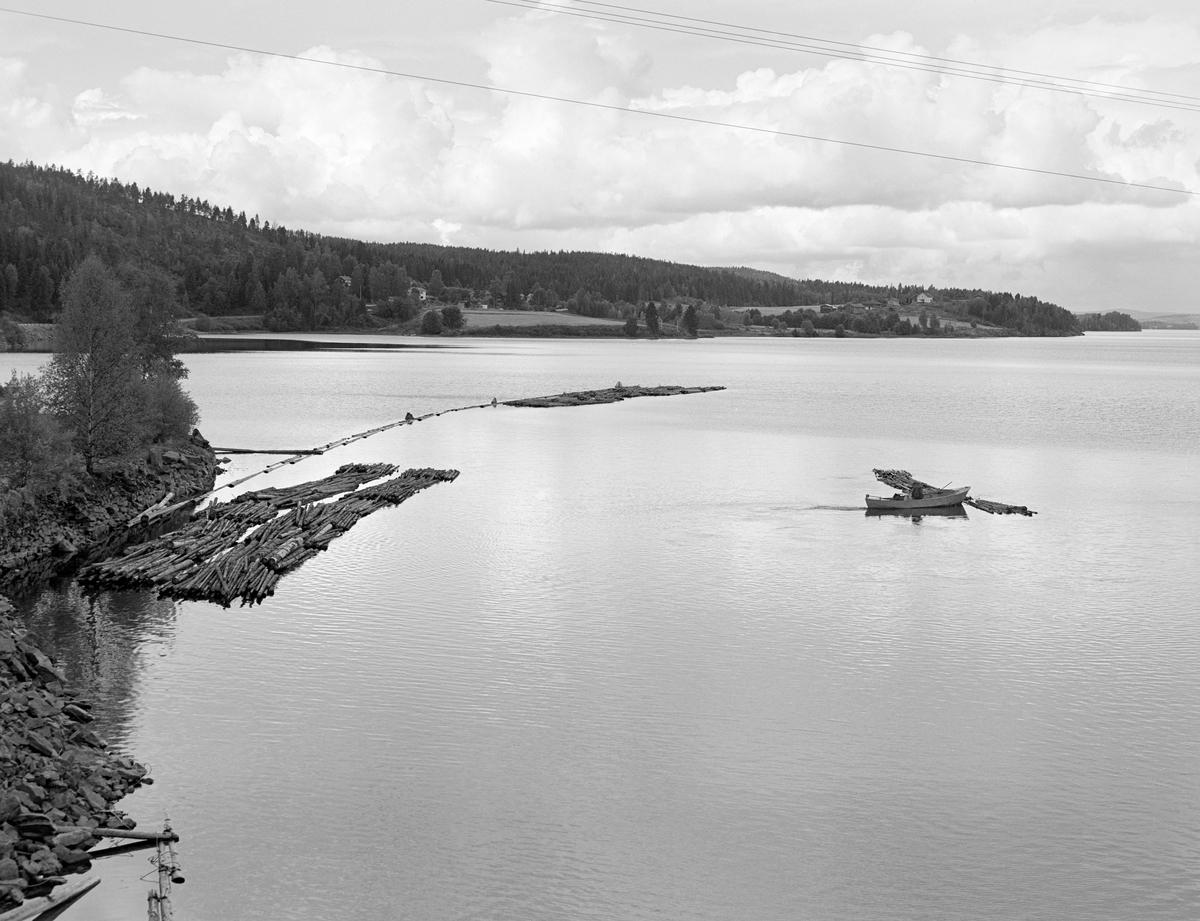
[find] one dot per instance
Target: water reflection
(954, 511)
(102, 639)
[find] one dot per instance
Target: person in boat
(918, 492)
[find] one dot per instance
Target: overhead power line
(908, 54)
(804, 44)
(671, 116)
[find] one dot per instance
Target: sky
(349, 151)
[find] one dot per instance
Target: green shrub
(169, 411)
(431, 323)
(35, 452)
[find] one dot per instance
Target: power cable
(904, 60)
(902, 54)
(607, 106)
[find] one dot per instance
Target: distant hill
(227, 264)
(758, 274)
(1148, 318)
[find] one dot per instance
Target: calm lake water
(653, 660)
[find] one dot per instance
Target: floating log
(998, 508)
(297, 453)
(60, 898)
(121, 833)
(118, 849)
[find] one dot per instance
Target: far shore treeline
(224, 263)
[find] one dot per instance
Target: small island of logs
(608, 395)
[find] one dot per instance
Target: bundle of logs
(608, 395)
(904, 481)
(241, 548)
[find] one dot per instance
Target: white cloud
(22, 114)
(359, 153)
(93, 108)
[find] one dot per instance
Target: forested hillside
(225, 263)
(1111, 322)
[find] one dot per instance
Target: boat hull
(945, 511)
(937, 498)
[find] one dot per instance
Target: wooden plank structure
(904, 481)
(240, 549)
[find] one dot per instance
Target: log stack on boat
(214, 558)
(914, 496)
(904, 481)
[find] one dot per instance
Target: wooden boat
(932, 498)
(946, 511)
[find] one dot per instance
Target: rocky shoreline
(102, 511)
(58, 780)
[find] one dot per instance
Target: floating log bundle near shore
(904, 481)
(608, 395)
(214, 558)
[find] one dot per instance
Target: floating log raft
(904, 481)
(609, 395)
(998, 508)
(240, 549)
(347, 478)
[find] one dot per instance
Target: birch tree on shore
(93, 380)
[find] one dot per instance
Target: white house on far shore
(924, 298)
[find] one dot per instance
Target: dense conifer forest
(225, 264)
(1111, 322)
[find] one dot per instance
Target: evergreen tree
(690, 321)
(652, 322)
(436, 287)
